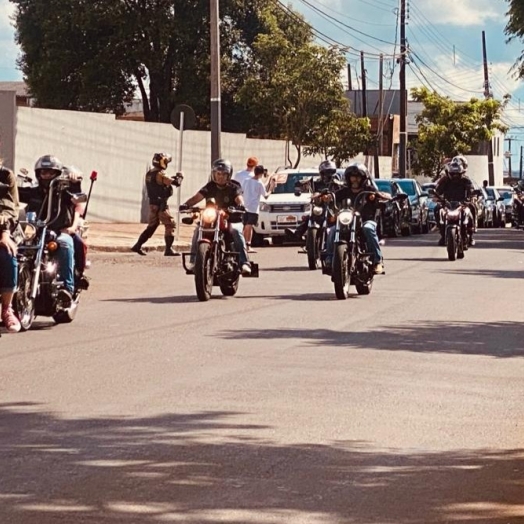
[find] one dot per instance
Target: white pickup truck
(282, 208)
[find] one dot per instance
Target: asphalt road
(279, 405)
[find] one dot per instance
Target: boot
(142, 239)
(169, 250)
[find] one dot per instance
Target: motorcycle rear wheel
(66, 316)
(313, 255)
(23, 306)
(340, 271)
(203, 273)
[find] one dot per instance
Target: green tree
(447, 128)
(292, 88)
(94, 54)
(339, 135)
(515, 30)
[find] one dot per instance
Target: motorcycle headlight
(317, 210)
(345, 218)
(209, 215)
(265, 207)
(454, 214)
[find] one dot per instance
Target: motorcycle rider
(518, 203)
(328, 181)
(159, 188)
(8, 263)
(357, 179)
(66, 224)
(455, 185)
(226, 193)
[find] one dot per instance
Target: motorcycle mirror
(24, 171)
(298, 192)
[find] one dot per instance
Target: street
(279, 405)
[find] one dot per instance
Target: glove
(183, 207)
(177, 179)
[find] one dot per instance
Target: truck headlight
(265, 207)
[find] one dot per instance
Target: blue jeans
(238, 239)
(65, 257)
(8, 272)
(369, 229)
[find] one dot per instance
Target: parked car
(484, 209)
(432, 219)
(282, 208)
(418, 199)
(395, 218)
(499, 212)
(506, 192)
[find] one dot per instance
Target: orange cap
(252, 161)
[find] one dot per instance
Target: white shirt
(242, 176)
(253, 189)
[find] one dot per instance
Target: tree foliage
(94, 54)
(293, 87)
(515, 30)
(447, 128)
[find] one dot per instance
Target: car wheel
(277, 241)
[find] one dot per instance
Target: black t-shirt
(224, 196)
(368, 210)
(455, 189)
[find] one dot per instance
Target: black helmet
(48, 162)
(327, 169)
(161, 160)
(221, 166)
(356, 170)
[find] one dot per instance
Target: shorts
(250, 219)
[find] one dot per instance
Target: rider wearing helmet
(226, 193)
(455, 185)
(357, 179)
(329, 180)
(68, 215)
(159, 187)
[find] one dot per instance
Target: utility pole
(403, 93)
(216, 117)
(364, 92)
(520, 167)
(510, 170)
(350, 84)
(378, 145)
(487, 94)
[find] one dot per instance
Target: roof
(19, 87)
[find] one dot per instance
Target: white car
(282, 208)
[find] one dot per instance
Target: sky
(444, 38)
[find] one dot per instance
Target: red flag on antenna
(94, 176)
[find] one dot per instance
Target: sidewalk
(120, 237)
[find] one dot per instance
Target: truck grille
(287, 208)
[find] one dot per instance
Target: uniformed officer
(159, 188)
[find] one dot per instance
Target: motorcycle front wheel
(204, 272)
(313, 255)
(23, 305)
(451, 245)
(229, 289)
(340, 275)
(67, 316)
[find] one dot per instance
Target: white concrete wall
(120, 151)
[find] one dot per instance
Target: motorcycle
(518, 208)
(352, 263)
(216, 262)
(456, 219)
(39, 283)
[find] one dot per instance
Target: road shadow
(208, 467)
(182, 299)
(490, 273)
(494, 339)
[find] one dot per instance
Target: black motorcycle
(217, 263)
(352, 263)
(39, 283)
(455, 216)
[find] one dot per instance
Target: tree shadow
(206, 468)
(182, 299)
(494, 339)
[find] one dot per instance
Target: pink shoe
(11, 323)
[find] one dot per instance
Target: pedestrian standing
(254, 189)
(243, 175)
(159, 188)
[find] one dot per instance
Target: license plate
(286, 219)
